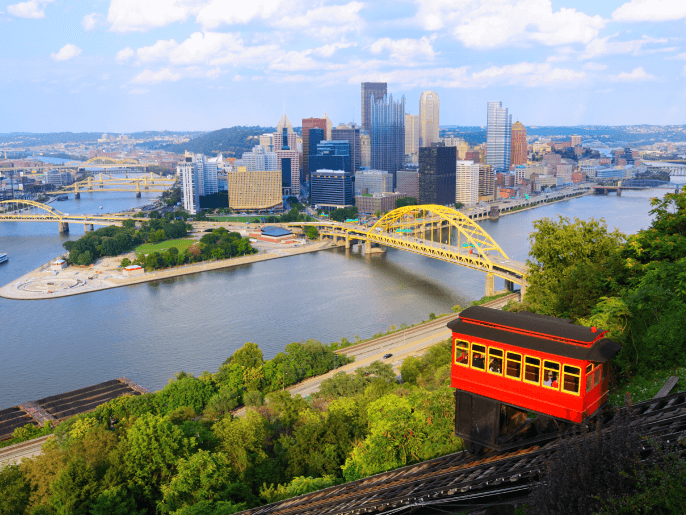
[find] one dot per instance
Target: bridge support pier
(490, 285)
(509, 285)
(522, 292)
(138, 195)
(367, 247)
(63, 228)
(347, 243)
(77, 195)
(619, 192)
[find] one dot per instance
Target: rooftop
(275, 232)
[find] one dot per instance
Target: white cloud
(163, 75)
(595, 66)
(480, 24)
(294, 61)
(326, 22)
(200, 47)
(32, 9)
(405, 49)
(68, 51)
(637, 74)
(125, 54)
(218, 12)
(139, 91)
(142, 15)
(602, 46)
(677, 57)
(90, 21)
(329, 49)
(650, 10)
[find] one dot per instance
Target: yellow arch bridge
(30, 211)
(434, 231)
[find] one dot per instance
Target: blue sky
(128, 65)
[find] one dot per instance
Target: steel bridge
(434, 231)
(96, 162)
(15, 211)
(101, 185)
(633, 184)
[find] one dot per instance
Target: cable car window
(589, 367)
(478, 357)
(571, 379)
(513, 365)
(532, 370)
(596, 372)
(495, 361)
(461, 353)
(551, 375)
(589, 379)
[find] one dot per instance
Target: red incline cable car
(507, 364)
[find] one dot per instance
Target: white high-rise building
(467, 182)
(498, 137)
(259, 160)
(198, 178)
(429, 108)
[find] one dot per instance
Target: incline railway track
(462, 478)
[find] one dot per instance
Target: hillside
(231, 142)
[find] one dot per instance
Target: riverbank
(43, 283)
(543, 204)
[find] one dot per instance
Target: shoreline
(44, 277)
(68, 284)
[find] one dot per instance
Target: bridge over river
(437, 232)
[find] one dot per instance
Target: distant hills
(231, 142)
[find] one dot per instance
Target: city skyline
(123, 66)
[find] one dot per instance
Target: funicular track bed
(464, 478)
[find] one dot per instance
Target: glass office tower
(387, 134)
(498, 137)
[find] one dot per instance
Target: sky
(130, 65)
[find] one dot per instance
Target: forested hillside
(231, 142)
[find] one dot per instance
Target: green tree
(75, 489)
(125, 262)
(154, 447)
(242, 440)
(311, 232)
(573, 265)
(204, 476)
(15, 490)
(405, 201)
(248, 356)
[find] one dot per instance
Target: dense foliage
(230, 142)
(345, 213)
(219, 244)
(180, 450)
(633, 286)
(405, 201)
(112, 241)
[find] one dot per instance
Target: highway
(408, 342)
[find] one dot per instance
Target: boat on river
(3, 257)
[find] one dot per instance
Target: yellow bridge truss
(99, 184)
(49, 214)
(435, 231)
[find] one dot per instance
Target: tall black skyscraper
(351, 134)
(437, 175)
(317, 135)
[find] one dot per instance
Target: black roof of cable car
(551, 326)
(602, 350)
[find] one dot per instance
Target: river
(150, 331)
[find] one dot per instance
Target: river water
(148, 332)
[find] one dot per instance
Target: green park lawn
(148, 248)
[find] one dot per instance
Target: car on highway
(386, 356)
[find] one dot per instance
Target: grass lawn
(148, 248)
(645, 387)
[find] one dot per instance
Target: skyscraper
(365, 151)
(498, 137)
(429, 107)
(316, 136)
(309, 123)
(467, 182)
(378, 90)
(349, 132)
(486, 182)
(437, 175)
(332, 155)
(199, 178)
(518, 153)
(387, 134)
(286, 147)
(259, 160)
(411, 134)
